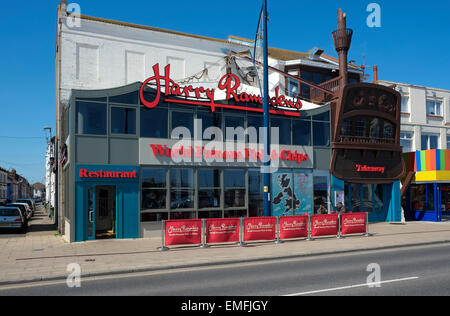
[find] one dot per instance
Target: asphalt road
(406, 271)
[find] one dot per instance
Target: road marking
(352, 286)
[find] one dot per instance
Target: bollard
(204, 244)
(367, 234)
(309, 228)
(163, 238)
(339, 236)
(241, 242)
(277, 232)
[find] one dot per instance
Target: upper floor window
(405, 104)
(434, 108)
(406, 141)
(91, 118)
(292, 87)
(429, 141)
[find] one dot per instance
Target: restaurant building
(155, 124)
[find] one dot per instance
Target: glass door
(90, 212)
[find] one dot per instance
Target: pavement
(41, 254)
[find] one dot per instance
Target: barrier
(293, 227)
(324, 225)
(222, 230)
(227, 230)
(354, 223)
(259, 228)
(182, 232)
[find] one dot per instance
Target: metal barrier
(242, 230)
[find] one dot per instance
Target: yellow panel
(426, 176)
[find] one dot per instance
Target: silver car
(11, 217)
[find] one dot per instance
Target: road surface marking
(352, 286)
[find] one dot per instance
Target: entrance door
(105, 212)
(445, 199)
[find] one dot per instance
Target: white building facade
(425, 117)
(3, 185)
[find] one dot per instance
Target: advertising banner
(259, 228)
(293, 227)
(222, 230)
(303, 190)
(354, 223)
(183, 232)
(324, 225)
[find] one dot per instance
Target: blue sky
(411, 46)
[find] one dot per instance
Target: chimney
(375, 73)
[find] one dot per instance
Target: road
(421, 270)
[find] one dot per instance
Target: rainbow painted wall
(429, 165)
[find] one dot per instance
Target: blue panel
(80, 225)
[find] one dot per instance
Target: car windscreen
(22, 207)
(25, 201)
(9, 212)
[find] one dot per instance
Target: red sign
(293, 226)
(365, 168)
(85, 173)
(324, 225)
(228, 83)
(183, 232)
(222, 230)
(247, 154)
(353, 223)
(259, 228)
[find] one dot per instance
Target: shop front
(428, 196)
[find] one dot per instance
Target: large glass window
(210, 119)
(255, 122)
(233, 122)
(321, 134)
(91, 118)
(234, 187)
(292, 87)
(123, 120)
(154, 188)
(181, 188)
(321, 184)
(255, 193)
(183, 119)
(301, 133)
(209, 188)
(154, 122)
(128, 98)
(284, 129)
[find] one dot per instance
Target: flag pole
(267, 202)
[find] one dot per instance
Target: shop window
(154, 217)
(154, 122)
(123, 120)
(430, 196)
(284, 129)
(181, 188)
(232, 126)
(208, 120)
(301, 133)
(154, 188)
(418, 197)
(321, 185)
(128, 98)
(183, 215)
(91, 118)
(255, 122)
(184, 120)
(209, 188)
(325, 116)
(255, 193)
(235, 213)
(321, 134)
(210, 214)
(234, 187)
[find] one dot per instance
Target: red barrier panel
(293, 226)
(220, 230)
(324, 225)
(260, 228)
(355, 223)
(183, 232)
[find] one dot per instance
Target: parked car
(11, 217)
(30, 202)
(24, 208)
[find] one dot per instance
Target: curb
(218, 263)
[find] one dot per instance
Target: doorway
(105, 212)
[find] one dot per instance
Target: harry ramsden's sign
(206, 97)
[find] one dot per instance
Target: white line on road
(352, 286)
